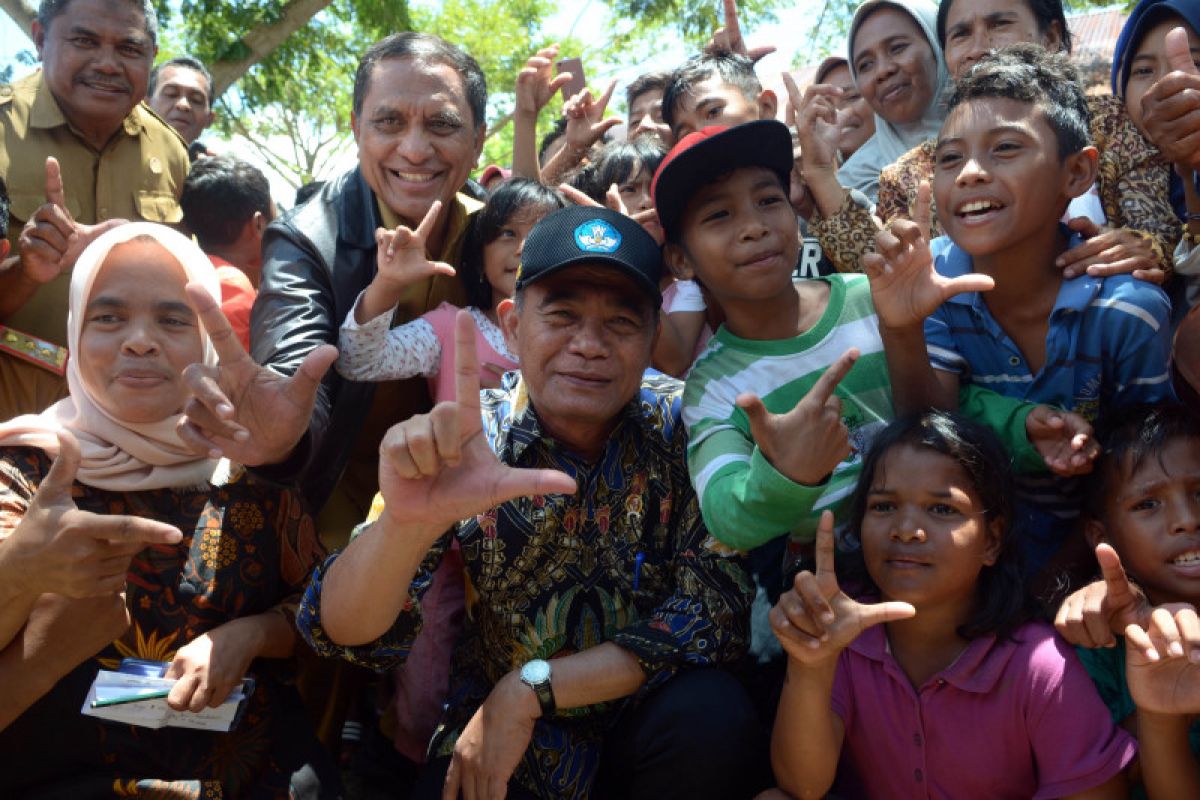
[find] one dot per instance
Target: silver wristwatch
(536, 675)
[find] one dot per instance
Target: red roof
(1096, 34)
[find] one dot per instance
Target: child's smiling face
(1149, 63)
(740, 237)
(998, 178)
(1152, 519)
(715, 102)
(502, 255)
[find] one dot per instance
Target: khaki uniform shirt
(137, 176)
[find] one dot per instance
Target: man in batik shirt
(599, 609)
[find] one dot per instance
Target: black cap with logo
(591, 235)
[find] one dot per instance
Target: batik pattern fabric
(626, 559)
(1132, 178)
(247, 548)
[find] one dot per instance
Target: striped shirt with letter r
(745, 501)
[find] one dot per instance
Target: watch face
(535, 672)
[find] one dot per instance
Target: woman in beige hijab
(216, 604)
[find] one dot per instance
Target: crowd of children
(909, 453)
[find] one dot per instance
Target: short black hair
(1002, 601)
(431, 49)
(651, 81)
(188, 62)
(49, 10)
(553, 135)
(220, 195)
(1046, 12)
(4, 206)
(308, 190)
(1026, 72)
(1129, 436)
(511, 197)
(829, 65)
(733, 68)
(617, 162)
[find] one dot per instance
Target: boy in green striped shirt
(784, 402)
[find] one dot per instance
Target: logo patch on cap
(597, 236)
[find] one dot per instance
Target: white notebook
(136, 695)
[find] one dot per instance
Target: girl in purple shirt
(946, 687)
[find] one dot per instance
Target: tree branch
(498, 125)
(22, 12)
(259, 42)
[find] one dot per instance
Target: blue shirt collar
(951, 261)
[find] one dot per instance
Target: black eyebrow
(162, 307)
(105, 301)
(576, 293)
(448, 115)
(386, 110)
(174, 307)
(767, 181)
(79, 30)
(899, 37)
(557, 296)
(706, 101)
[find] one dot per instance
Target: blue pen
(638, 560)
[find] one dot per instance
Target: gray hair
(429, 48)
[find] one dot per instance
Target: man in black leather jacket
(419, 106)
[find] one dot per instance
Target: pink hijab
(117, 455)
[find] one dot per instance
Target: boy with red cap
(784, 402)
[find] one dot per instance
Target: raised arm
(50, 243)
(434, 469)
(535, 86)
(815, 621)
(1164, 681)
(906, 289)
(586, 125)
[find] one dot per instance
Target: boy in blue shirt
(1012, 153)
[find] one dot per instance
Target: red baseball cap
(701, 157)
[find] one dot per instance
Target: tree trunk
(22, 12)
(259, 42)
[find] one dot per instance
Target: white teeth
(978, 205)
(1188, 558)
(413, 177)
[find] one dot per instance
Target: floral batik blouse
(247, 548)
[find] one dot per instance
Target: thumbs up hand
(1171, 107)
(816, 620)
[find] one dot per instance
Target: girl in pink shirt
(945, 688)
(372, 350)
